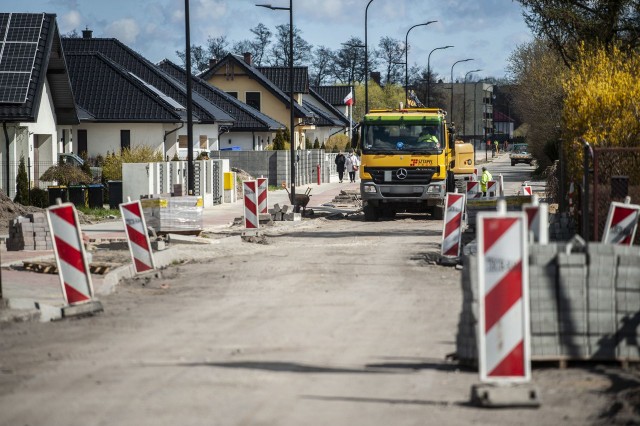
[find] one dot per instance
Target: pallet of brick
(180, 215)
(30, 232)
(627, 294)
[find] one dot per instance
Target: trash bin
(115, 193)
(96, 196)
(78, 195)
(57, 192)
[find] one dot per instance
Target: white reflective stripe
(135, 224)
(504, 251)
(504, 336)
(64, 230)
(141, 254)
(74, 278)
(451, 240)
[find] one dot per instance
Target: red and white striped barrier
(73, 268)
(250, 190)
(504, 351)
(263, 197)
(452, 228)
(526, 190)
(622, 223)
(473, 189)
(492, 188)
(537, 215)
(137, 236)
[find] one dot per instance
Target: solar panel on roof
(19, 37)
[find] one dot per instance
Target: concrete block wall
(583, 305)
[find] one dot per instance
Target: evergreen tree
(278, 141)
(316, 144)
(22, 184)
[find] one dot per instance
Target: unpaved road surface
(331, 322)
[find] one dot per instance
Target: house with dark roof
(36, 100)
(251, 130)
(330, 120)
(335, 95)
(125, 100)
(265, 89)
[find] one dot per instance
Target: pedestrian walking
(497, 144)
(340, 160)
(484, 179)
(352, 164)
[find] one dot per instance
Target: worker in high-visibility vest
(484, 179)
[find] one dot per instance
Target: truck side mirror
(355, 139)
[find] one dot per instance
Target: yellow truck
(408, 156)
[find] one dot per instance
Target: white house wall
(245, 140)
(45, 127)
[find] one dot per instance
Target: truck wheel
(438, 212)
(370, 213)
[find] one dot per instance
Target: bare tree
(302, 50)
(199, 58)
(391, 55)
(350, 58)
(322, 63)
(217, 47)
(261, 42)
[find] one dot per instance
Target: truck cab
(407, 157)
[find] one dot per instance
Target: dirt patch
(10, 210)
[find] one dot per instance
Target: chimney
(212, 62)
(375, 76)
(87, 33)
(247, 58)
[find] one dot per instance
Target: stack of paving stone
(279, 213)
(30, 232)
(584, 303)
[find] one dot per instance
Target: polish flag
(348, 100)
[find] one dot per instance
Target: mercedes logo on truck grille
(402, 174)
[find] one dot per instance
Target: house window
(82, 141)
(234, 94)
(125, 139)
(253, 100)
(183, 142)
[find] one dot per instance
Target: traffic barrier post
(504, 351)
(137, 236)
(263, 195)
(452, 227)
(492, 189)
(473, 189)
(622, 223)
(526, 190)
(537, 215)
(249, 188)
(71, 260)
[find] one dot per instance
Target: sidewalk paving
(30, 296)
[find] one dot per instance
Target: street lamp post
(484, 118)
(291, 101)
(454, 64)
(190, 171)
(429, 70)
(366, 61)
(351, 88)
(406, 60)
(464, 102)
(475, 127)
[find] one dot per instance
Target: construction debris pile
(283, 213)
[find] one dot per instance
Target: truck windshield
(402, 137)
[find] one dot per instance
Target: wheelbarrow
(301, 201)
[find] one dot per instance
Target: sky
(486, 30)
